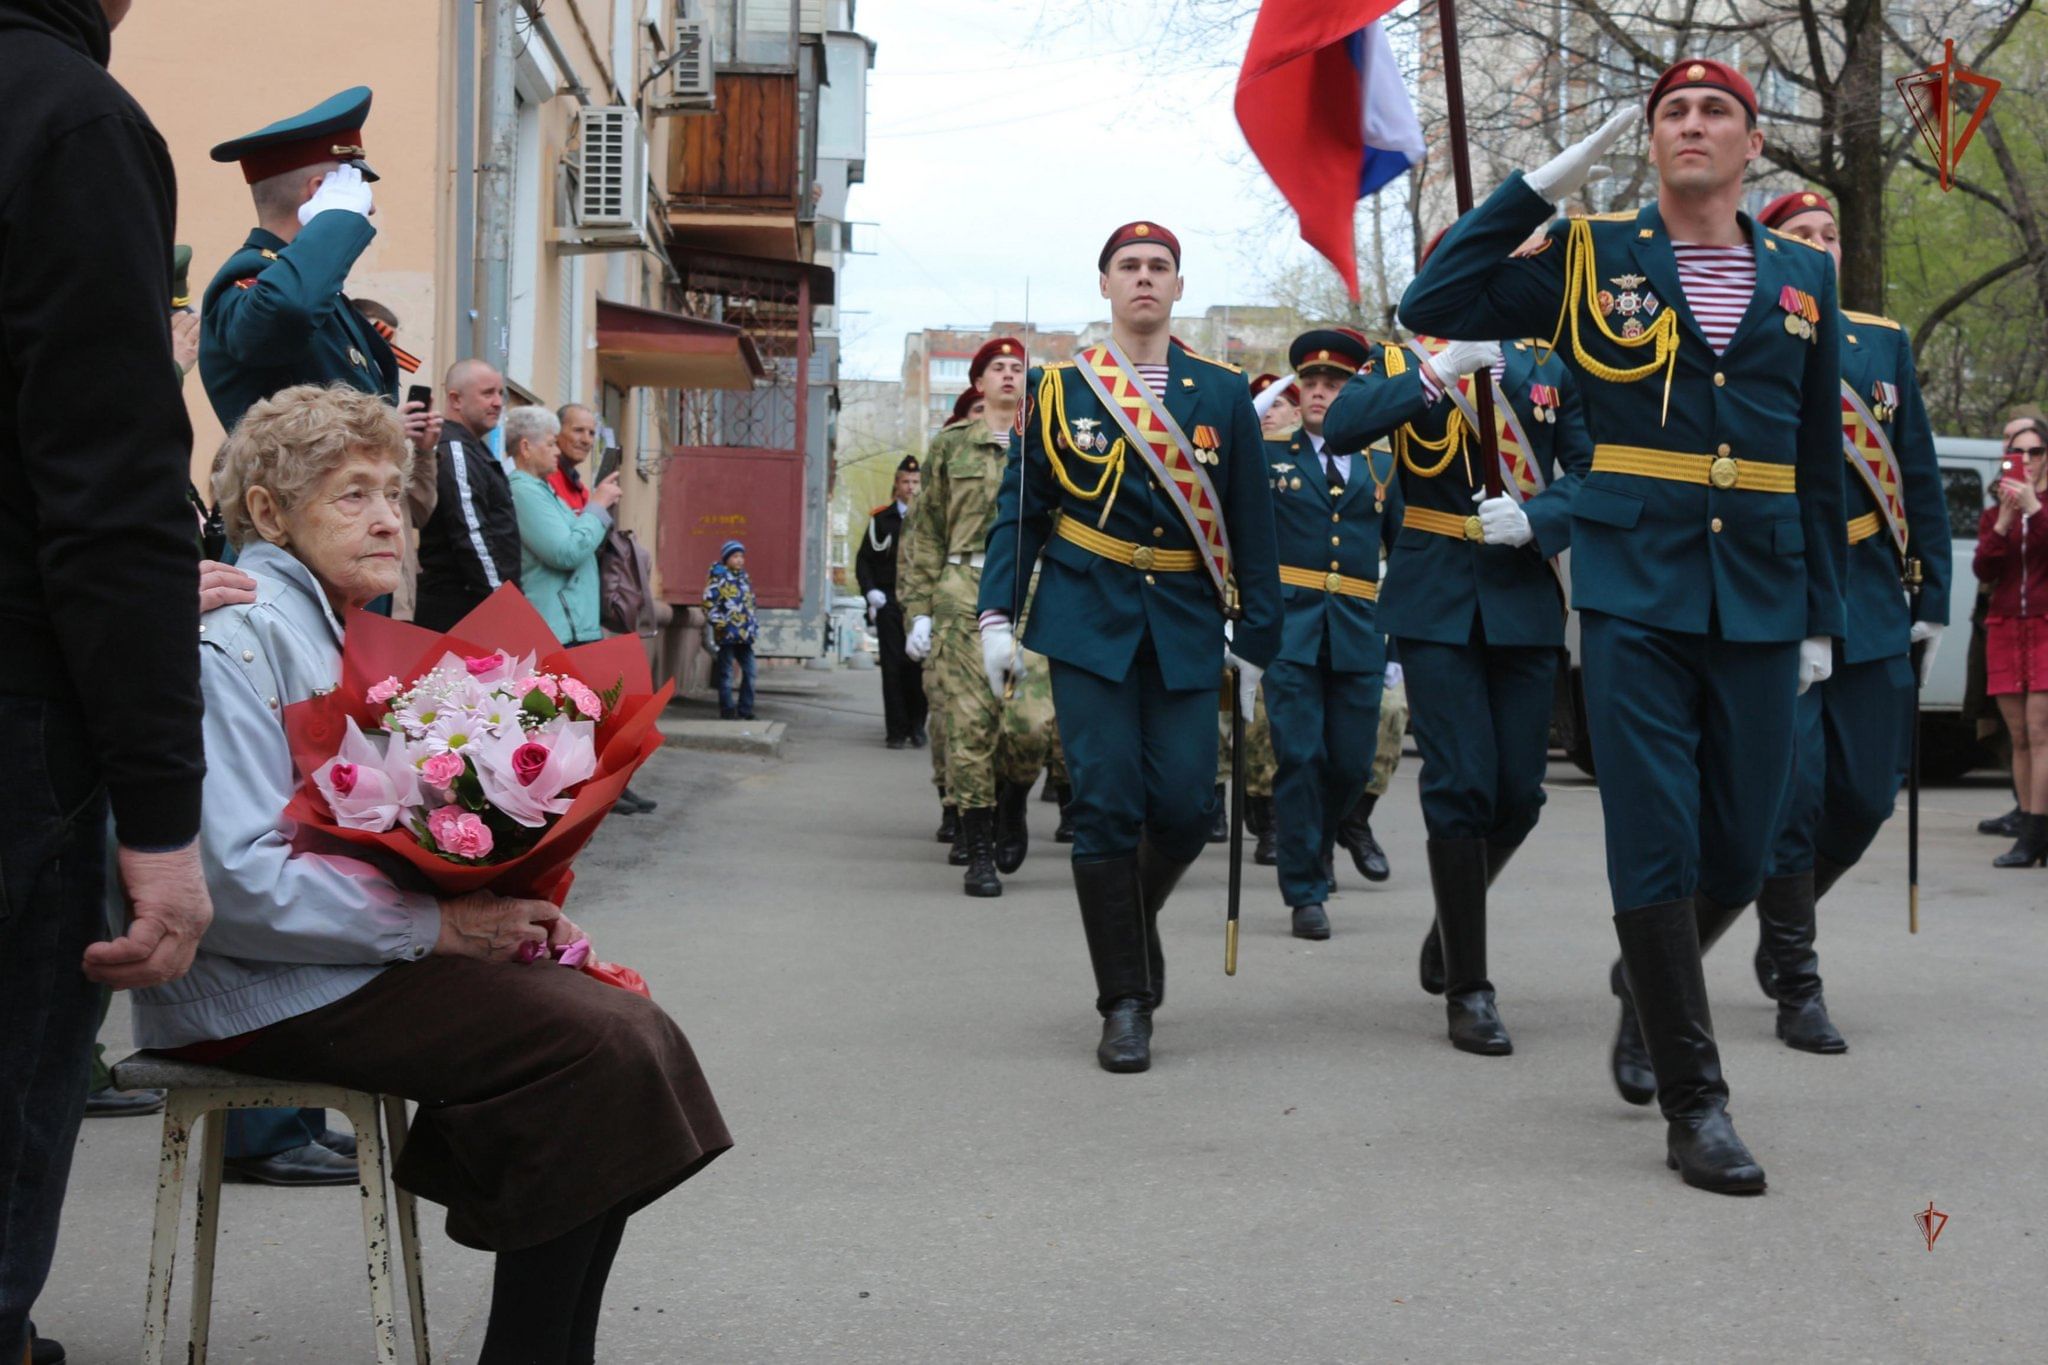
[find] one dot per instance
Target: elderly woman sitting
(552, 1107)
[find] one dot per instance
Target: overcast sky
(1005, 140)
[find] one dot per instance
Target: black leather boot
(1013, 831)
(1431, 967)
(1660, 946)
(978, 837)
(1219, 824)
(2032, 848)
(1629, 1061)
(1064, 794)
(1157, 876)
(1785, 915)
(1258, 813)
(1457, 875)
(2006, 826)
(1311, 921)
(1113, 917)
(1355, 834)
(949, 820)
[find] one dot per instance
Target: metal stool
(192, 1092)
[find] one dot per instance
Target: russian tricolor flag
(1323, 106)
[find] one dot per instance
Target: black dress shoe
(1311, 921)
(646, 804)
(311, 1164)
(896, 742)
(2006, 826)
(1474, 1024)
(1355, 834)
(628, 804)
(123, 1104)
(338, 1142)
(43, 1351)
(1126, 1045)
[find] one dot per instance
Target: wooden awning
(650, 348)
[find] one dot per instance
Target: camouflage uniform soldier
(992, 758)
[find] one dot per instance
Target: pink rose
(366, 787)
(382, 692)
(528, 761)
(584, 699)
(442, 770)
(483, 664)
(343, 778)
(460, 833)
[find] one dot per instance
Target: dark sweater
(470, 546)
(99, 583)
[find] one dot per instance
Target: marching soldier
(1854, 732)
(874, 569)
(1151, 456)
(1477, 616)
(1707, 537)
(966, 408)
(994, 747)
(1332, 512)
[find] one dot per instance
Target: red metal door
(712, 494)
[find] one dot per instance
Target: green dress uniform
(1133, 629)
(1478, 628)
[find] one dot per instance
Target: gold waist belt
(1862, 528)
(1712, 471)
(1441, 523)
(1330, 582)
(1143, 557)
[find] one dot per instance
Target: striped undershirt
(1155, 379)
(1718, 281)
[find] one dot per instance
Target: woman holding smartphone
(2012, 558)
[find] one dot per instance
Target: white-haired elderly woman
(552, 1107)
(558, 547)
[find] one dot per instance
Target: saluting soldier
(1477, 615)
(1707, 539)
(874, 568)
(992, 756)
(1854, 730)
(1150, 455)
(1334, 507)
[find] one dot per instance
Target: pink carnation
(382, 692)
(584, 699)
(541, 683)
(460, 833)
(442, 770)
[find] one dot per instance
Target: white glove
(1248, 675)
(1000, 659)
(1578, 166)
(1926, 633)
(919, 643)
(1816, 661)
(1393, 675)
(1461, 358)
(1502, 520)
(343, 188)
(877, 599)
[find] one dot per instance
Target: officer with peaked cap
(874, 568)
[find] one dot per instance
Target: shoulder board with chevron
(1057, 365)
(1219, 364)
(1625, 216)
(1788, 237)
(1872, 320)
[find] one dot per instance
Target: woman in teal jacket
(558, 547)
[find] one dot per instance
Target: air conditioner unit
(691, 81)
(610, 185)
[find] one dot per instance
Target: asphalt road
(930, 1167)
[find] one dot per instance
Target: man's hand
(491, 927)
(1461, 358)
(919, 644)
(1926, 634)
(422, 427)
(223, 585)
(1502, 520)
(1248, 675)
(1000, 659)
(607, 492)
(342, 188)
(1578, 166)
(168, 912)
(185, 341)
(1816, 661)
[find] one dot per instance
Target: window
(754, 32)
(1964, 489)
(951, 370)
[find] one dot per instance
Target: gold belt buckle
(1723, 472)
(1141, 558)
(1333, 582)
(1473, 530)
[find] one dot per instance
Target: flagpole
(1461, 178)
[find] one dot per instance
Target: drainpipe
(491, 327)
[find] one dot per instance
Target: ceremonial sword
(1461, 177)
(1913, 658)
(1231, 680)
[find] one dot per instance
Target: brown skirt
(545, 1097)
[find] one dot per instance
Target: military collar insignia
(1636, 305)
(1283, 467)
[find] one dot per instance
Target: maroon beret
(1138, 232)
(1691, 72)
(1792, 205)
(990, 350)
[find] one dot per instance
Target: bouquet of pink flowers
(484, 757)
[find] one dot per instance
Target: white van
(1949, 746)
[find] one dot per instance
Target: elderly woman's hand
(491, 927)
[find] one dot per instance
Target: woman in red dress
(2012, 558)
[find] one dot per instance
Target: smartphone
(609, 465)
(421, 393)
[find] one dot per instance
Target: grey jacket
(293, 928)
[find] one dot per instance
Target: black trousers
(903, 704)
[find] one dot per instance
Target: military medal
(1884, 400)
(355, 358)
(1802, 311)
(1206, 443)
(1085, 434)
